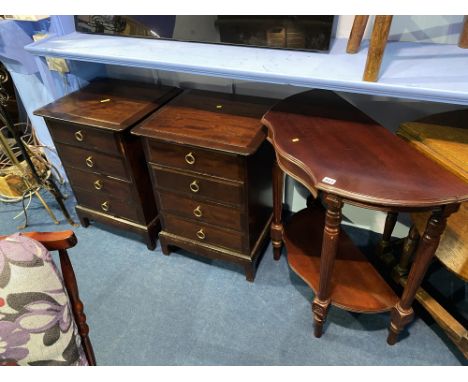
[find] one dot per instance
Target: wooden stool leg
(355, 37)
(402, 313)
(276, 230)
(463, 42)
(409, 247)
(331, 233)
(77, 306)
(390, 222)
(377, 45)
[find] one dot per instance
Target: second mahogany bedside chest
(103, 161)
(211, 172)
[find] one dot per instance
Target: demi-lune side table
(343, 156)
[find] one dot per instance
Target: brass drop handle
(105, 206)
(201, 234)
(89, 161)
(79, 136)
(97, 184)
(189, 158)
(198, 212)
(194, 186)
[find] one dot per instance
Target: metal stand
(38, 181)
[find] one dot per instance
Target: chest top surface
(342, 151)
(108, 103)
(211, 120)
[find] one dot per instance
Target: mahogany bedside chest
(211, 171)
(103, 161)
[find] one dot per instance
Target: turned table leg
(331, 233)
(357, 32)
(409, 246)
(276, 230)
(390, 222)
(402, 313)
(377, 45)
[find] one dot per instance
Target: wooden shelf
(429, 72)
(355, 285)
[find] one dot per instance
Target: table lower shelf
(355, 284)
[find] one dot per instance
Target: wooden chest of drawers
(103, 161)
(211, 172)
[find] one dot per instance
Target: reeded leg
(377, 45)
(355, 37)
(402, 313)
(390, 222)
(331, 234)
(409, 247)
(276, 230)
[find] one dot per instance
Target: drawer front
(82, 136)
(195, 159)
(107, 204)
(199, 187)
(201, 211)
(92, 161)
(99, 184)
(203, 233)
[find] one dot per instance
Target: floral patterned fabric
(36, 321)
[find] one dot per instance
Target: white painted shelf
(429, 72)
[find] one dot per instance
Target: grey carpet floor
(145, 308)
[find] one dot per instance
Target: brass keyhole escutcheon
(189, 158)
(198, 212)
(79, 136)
(97, 184)
(194, 187)
(201, 234)
(105, 206)
(89, 161)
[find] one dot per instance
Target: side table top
(332, 146)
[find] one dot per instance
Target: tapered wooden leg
(249, 270)
(164, 246)
(84, 221)
(276, 230)
(355, 37)
(377, 45)
(77, 306)
(402, 313)
(463, 42)
(390, 222)
(409, 247)
(331, 234)
(150, 240)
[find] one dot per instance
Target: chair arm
(53, 241)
